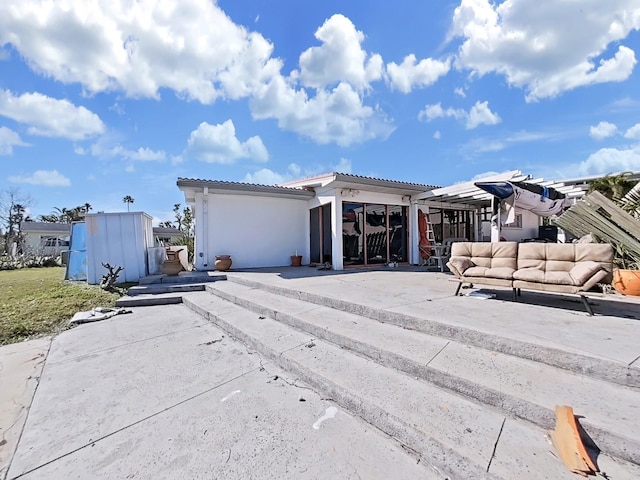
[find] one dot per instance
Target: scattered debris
(329, 413)
(211, 342)
(261, 317)
(111, 277)
(569, 444)
(97, 314)
(235, 392)
(481, 295)
(310, 345)
(325, 266)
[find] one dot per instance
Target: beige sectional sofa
(549, 267)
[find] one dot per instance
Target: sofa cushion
(529, 275)
(500, 272)
(583, 271)
(537, 275)
(558, 278)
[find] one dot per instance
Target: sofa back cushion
(562, 257)
(487, 254)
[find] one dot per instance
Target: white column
(495, 222)
(414, 234)
(336, 232)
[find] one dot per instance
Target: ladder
(430, 237)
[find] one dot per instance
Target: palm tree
(128, 200)
(86, 207)
(614, 187)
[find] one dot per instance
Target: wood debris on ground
(569, 444)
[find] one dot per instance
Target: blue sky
(102, 99)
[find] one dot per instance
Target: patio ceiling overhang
(467, 196)
(345, 181)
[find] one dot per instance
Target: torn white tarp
(97, 314)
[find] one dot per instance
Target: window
(53, 242)
(517, 223)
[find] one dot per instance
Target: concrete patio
(284, 373)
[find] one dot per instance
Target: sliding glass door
(373, 234)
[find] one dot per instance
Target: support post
(587, 305)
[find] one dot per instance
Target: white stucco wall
(257, 231)
(530, 223)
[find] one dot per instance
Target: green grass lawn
(37, 301)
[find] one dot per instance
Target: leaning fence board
(599, 216)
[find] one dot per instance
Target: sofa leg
(519, 292)
(586, 304)
(458, 289)
(514, 295)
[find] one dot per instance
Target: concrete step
(518, 387)
(592, 366)
(155, 289)
(149, 300)
(458, 437)
(183, 277)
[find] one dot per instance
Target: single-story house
(52, 238)
(347, 220)
(45, 238)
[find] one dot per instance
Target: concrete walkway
(163, 393)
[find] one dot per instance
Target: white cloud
(191, 46)
(44, 178)
(343, 166)
(409, 74)
(140, 155)
(607, 160)
(460, 92)
(340, 58)
(547, 47)
(219, 144)
(50, 117)
(480, 114)
(103, 148)
(8, 140)
(336, 116)
(633, 132)
(264, 176)
(603, 130)
(436, 135)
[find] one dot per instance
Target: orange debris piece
(568, 443)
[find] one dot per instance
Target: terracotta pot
(627, 282)
(171, 267)
(223, 262)
(296, 260)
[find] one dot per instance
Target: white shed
(119, 239)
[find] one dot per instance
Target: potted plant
(626, 277)
(296, 260)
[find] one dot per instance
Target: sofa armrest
(582, 272)
(458, 265)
